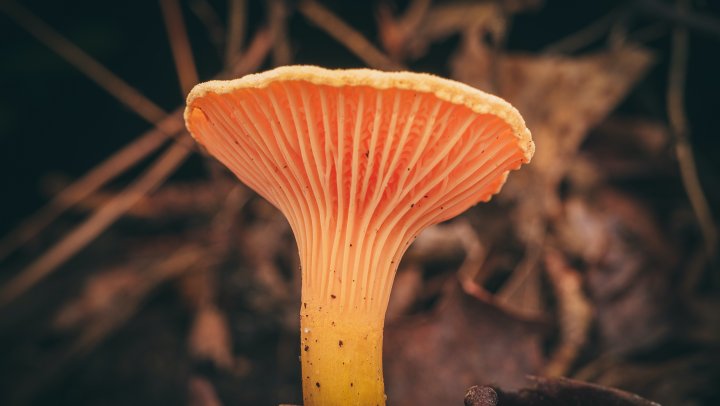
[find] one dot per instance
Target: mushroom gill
(360, 162)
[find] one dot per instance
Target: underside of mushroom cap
(359, 157)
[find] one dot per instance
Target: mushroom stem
(341, 357)
(342, 316)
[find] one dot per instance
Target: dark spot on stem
(340, 343)
(317, 384)
(333, 296)
(307, 348)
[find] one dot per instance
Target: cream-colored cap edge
(444, 89)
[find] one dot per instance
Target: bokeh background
(598, 263)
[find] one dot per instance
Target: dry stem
(346, 35)
(98, 73)
(179, 44)
(680, 131)
(82, 235)
(112, 167)
(236, 31)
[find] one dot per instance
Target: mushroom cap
(359, 161)
(305, 133)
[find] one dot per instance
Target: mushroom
(359, 161)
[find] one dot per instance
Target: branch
(86, 232)
(679, 129)
(179, 44)
(346, 35)
(98, 73)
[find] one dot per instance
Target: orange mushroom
(360, 162)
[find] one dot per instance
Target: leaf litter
(567, 273)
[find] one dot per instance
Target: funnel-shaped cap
(359, 161)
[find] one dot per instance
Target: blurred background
(135, 270)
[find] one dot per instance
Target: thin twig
(574, 312)
(586, 35)
(346, 35)
(649, 33)
(83, 62)
(680, 131)
(122, 160)
(212, 23)
(253, 56)
(93, 180)
(179, 44)
(701, 23)
(396, 32)
(516, 288)
(282, 54)
(86, 232)
(237, 19)
(414, 15)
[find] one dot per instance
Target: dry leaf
(554, 392)
(431, 359)
(629, 265)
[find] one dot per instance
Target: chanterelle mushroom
(359, 161)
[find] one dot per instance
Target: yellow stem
(341, 355)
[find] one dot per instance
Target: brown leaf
(629, 265)
(554, 392)
(464, 341)
(688, 379)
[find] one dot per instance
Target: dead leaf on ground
(432, 359)
(628, 273)
(689, 379)
(554, 392)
